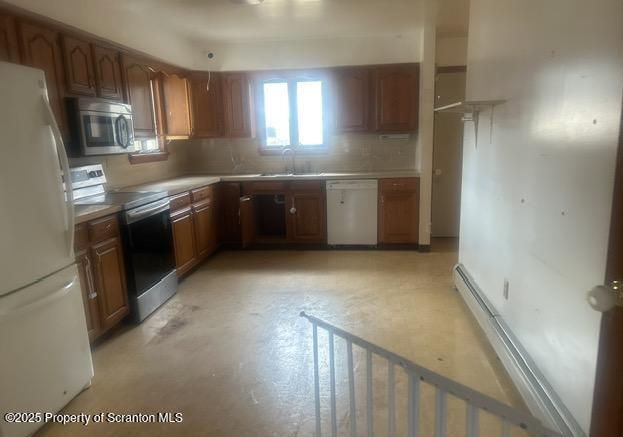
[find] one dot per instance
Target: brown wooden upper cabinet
(40, 48)
(176, 108)
(399, 211)
(138, 93)
(207, 109)
(397, 94)
(236, 104)
(79, 71)
(9, 51)
(351, 94)
(108, 73)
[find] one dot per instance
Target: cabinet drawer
(399, 184)
(81, 237)
(179, 201)
(202, 193)
(264, 187)
(315, 186)
(102, 229)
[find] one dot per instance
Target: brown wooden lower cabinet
(102, 274)
(205, 222)
(184, 240)
(109, 275)
(307, 217)
(399, 211)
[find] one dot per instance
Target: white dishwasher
(352, 212)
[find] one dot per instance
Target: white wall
(306, 53)
(125, 27)
(451, 52)
(536, 196)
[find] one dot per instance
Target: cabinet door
(79, 72)
(138, 93)
(89, 295)
(397, 94)
(176, 108)
(399, 211)
(40, 49)
(248, 227)
(236, 105)
(107, 73)
(205, 228)
(230, 212)
(9, 51)
(184, 240)
(307, 217)
(352, 99)
(207, 109)
(110, 282)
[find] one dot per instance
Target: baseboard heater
(539, 396)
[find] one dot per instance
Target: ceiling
(225, 21)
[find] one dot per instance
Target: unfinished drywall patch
(537, 187)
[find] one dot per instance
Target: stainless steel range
(146, 233)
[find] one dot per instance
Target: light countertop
(84, 213)
(186, 183)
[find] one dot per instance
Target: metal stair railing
(475, 401)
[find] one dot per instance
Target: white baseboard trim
(530, 382)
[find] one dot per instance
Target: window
(292, 112)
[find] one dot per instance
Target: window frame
(292, 77)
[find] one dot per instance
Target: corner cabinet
(138, 93)
(399, 211)
(397, 98)
(102, 274)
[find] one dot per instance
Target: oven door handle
(142, 212)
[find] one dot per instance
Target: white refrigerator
(45, 358)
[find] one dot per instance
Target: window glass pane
(277, 114)
(309, 101)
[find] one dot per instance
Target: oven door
(106, 133)
(148, 245)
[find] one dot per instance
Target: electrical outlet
(506, 286)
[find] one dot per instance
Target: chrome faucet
(292, 168)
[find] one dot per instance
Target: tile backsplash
(347, 153)
(120, 173)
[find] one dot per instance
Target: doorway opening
(447, 157)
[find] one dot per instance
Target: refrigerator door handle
(62, 156)
(45, 301)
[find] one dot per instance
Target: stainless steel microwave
(100, 127)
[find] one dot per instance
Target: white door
(36, 222)
(45, 354)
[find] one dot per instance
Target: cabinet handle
(382, 200)
(90, 282)
(293, 208)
